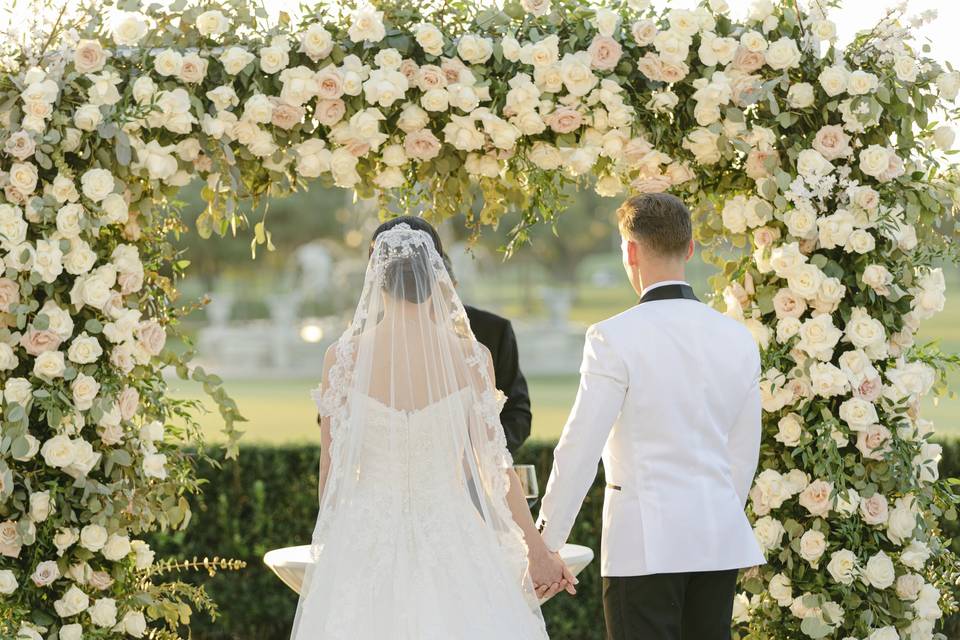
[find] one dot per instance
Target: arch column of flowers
(817, 174)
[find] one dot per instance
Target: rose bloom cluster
(825, 209)
(71, 279)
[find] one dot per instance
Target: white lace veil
(410, 350)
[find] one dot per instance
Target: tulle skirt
(398, 567)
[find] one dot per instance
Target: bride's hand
(549, 573)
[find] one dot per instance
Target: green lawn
(281, 411)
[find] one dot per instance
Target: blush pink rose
(832, 142)
(357, 148)
(869, 389)
(756, 165)
(604, 53)
(128, 401)
(652, 184)
(565, 120)
(330, 112)
(9, 294)
(36, 341)
(409, 69)
(747, 61)
(329, 84)
(286, 116)
(430, 76)
(651, 66)
(151, 337)
(422, 145)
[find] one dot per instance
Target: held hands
(549, 573)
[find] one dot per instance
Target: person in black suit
(496, 334)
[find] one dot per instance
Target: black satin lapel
(669, 292)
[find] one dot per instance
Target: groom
(669, 398)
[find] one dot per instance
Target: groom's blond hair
(658, 221)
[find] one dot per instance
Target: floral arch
(825, 166)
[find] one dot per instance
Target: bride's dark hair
(410, 277)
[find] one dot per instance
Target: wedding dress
(414, 539)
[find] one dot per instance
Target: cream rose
(879, 571)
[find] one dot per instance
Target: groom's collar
(668, 290)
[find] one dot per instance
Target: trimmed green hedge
(268, 499)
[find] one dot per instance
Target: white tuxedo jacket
(669, 398)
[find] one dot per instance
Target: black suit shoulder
(483, 317)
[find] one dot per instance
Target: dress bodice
(414, 457)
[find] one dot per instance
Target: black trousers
(670, 606)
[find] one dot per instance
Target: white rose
(23, 176)
(915, 555)
(93, 537)
(134, 624)
(145, 555)
(89, 56)
(834, 80)
(103, 613)
(704, 145)
(316, 42)
(235, 59)
(782, 54)
(429, 38)
(949, 84)
(781, 590)
(475, 49)
(769, 533)
(144, 89)
(800, 95)
(212, 23)
(193, 69)
(606, 21)
(74, 601)
(819, 336)
(73, 631)
(366, 25)
(129, 29)
(40, 507)
(902, 521)
(812, 546)
(116, 548)
(789, 430)
(96, 184)
(874, 160)
(168, 62)
(879, 572)
(861, 83)
(154, 465)
(273, 59)
(18, 390)
(87, 117)
(811, 162)
(906, 68)
(8, 582)
(858, 413)
(943, 137)
(49, 365)
(843, 567)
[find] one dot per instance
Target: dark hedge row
(268, 499)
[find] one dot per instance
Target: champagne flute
(528, 482)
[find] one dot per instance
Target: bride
(423, 531)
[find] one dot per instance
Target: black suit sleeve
(516, 416)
